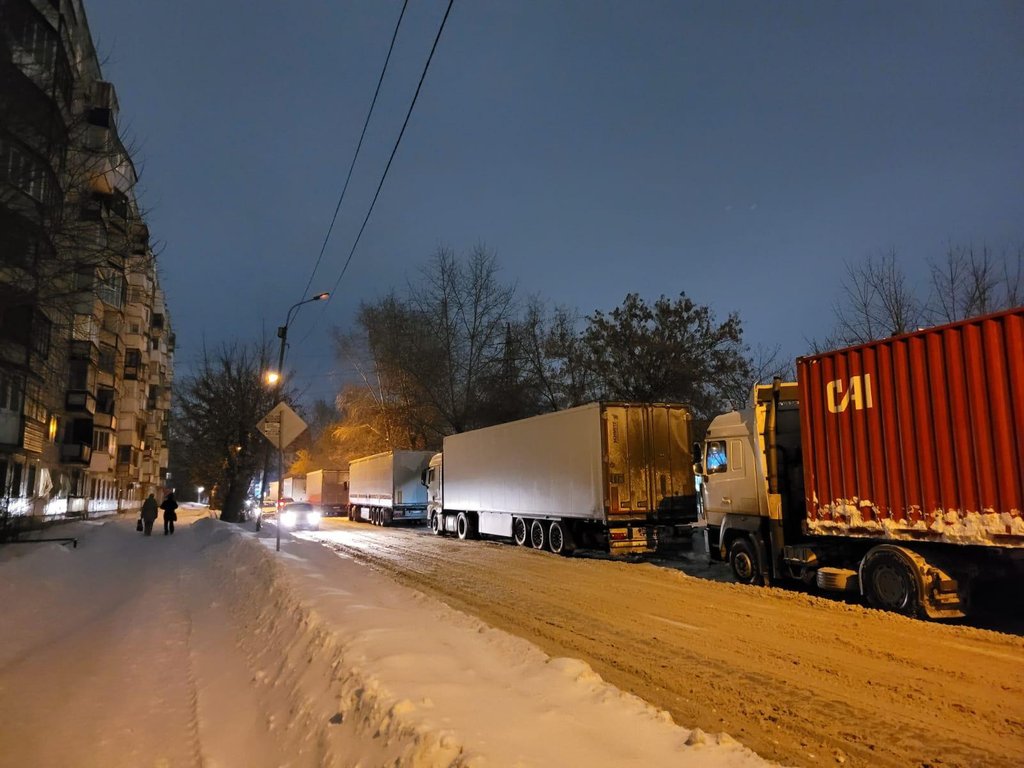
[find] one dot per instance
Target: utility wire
(384, 176)
(394, 150)
(355, 157)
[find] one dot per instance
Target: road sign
(282, 425)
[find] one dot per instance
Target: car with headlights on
(300, 514)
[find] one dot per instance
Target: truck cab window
(716, 460)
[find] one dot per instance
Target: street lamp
(277, 378)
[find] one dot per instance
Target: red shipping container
(919, 436)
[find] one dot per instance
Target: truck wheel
(520, 531)
(889, 581)
(462, 526)
(537, 537)
(744, 562)
(559, 538)
(435, 524)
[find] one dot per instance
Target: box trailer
(895, 468)
(328, 489)
(387, 487)
(601, 475)
(294, 488)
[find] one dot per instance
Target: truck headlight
(288, 519)
(313, 518)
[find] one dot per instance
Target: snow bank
(355, 670)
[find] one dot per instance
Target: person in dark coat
(168, 505)
(149, 512)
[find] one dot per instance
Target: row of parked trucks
(894, 469)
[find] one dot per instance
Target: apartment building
(86, 345)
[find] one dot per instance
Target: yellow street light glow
(273, 377)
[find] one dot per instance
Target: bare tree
(970, 282)
(218, 408)
(877, 300)
(433, 353)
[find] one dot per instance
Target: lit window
(716, 460)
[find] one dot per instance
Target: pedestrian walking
(168, 505)
(149, 513)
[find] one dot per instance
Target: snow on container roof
(919, 435)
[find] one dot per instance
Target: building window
(23, 170)
(85, 329)
(41, 335)
(105, 401)
(110, 287)
(34, 407)
(108, 358)
(30, 483)
(11, 393)
(132, 362)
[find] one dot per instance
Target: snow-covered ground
(208, 648)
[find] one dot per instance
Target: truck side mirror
(696, 452)
(423, 477)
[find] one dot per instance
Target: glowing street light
(276, 378)
(199, 493)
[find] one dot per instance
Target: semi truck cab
(742, 499)
(754, 505)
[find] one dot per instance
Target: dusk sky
(738, 151)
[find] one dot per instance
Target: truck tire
(436, 527)
(462, 526)
(537, 534)
(888, 581)
(559, 538)
(520, 532)
(745, 564)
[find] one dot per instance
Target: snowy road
(799, 679)
(210, 649)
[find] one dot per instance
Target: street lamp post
(282, 333)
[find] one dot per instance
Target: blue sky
(738, 151)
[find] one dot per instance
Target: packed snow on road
(208, 648)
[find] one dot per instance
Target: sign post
(281, 426)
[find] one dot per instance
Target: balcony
(101, 462)
(80, 401)
(75, 453)
(105, 421)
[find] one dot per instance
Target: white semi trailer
(603, 475)
(387, 487)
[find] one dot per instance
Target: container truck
(894, 469)
(328, 489)
(294, 488)
(603, 475)
(387, 487)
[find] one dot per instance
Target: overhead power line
(359, 146)
(398, 141)
(384, 176)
